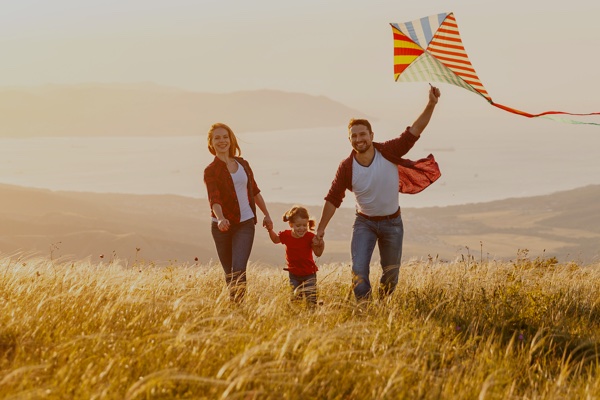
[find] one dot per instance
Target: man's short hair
(359, 121)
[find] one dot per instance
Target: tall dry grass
(464, 330)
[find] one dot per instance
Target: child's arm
(318, 246)
(274, 237)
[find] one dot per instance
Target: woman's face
(221, 141)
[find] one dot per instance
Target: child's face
(299, 226)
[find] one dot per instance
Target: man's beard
(364, 150)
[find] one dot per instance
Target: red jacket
(220, 188)
(413, 176)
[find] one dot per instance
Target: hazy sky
(532, 55)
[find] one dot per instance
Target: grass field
(526, 329)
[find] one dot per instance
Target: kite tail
(554, 115)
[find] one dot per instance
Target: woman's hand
(267, 223)
(223, 224)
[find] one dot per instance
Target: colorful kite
(430, 49)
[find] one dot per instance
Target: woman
(233, 196)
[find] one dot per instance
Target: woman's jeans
(388, 234)
(233, 248)
(304, 286)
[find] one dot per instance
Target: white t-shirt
(240, 182)
(375, 186)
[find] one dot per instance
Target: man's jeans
(234, 247)
(388, 234)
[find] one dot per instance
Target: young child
(300, 244)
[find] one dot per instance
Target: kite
(430, 49)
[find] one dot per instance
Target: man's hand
(318, 246)
(320, 234)
(434, 94)
(423, 120)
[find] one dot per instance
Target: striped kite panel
(405, 51)
(422, 30)
(447, 47)
(427, 68)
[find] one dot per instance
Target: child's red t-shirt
(298, 253)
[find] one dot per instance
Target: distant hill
(148, 109)
(563, 224)
(167, 227)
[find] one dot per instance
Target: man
(375, 172)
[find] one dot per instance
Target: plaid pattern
(220, 189)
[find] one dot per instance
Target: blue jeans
(304, 286)
(233, 248)
(388, 234)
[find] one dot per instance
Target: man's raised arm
(421, 122)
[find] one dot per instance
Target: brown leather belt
(380, 217)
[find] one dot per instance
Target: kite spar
(430, 49)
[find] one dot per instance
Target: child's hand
(268, 223)
(318, 246)
(274, 237)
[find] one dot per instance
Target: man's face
(360, 138)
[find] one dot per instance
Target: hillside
(563, 224)
(148, 109)
(167, 228)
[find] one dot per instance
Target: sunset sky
(531, 55)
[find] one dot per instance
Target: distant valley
(168, 228)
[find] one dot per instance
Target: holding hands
(318, 245)
(317, 241)
(267, 223)
(320, 234)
